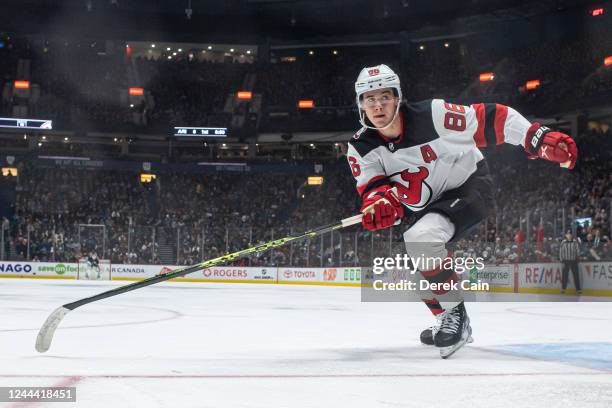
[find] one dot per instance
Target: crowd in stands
(185, 218)
(84, 86)
(61, 214)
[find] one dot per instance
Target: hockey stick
(45, 335)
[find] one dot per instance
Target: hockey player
(424, 158)
(93, 264)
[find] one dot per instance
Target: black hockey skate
(454, 331)
(427, 335)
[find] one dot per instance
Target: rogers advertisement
(237, 273)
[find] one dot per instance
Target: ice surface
(240, 345)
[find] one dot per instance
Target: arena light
(9, 171)
(147, 177)
(487, 76)
(245, 95)
(597, 12)
(608, 61)
(136, 91)
(315, 180)
(22, 84)
(305, 104)
(529, 85)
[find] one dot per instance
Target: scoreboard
(15, 123)
(200, 132)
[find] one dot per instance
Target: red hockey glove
(553, 146)
(381, 208)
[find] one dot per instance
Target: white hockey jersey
(437, 150)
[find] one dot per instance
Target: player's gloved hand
(553, 146)
(381, 209)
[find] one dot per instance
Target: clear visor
(371, 101)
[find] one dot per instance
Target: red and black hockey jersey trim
(491, 118)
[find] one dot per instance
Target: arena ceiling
(251, 21)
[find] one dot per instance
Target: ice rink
(240, 345)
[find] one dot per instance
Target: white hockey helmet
(372, 78)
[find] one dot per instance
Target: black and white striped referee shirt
(569, 250)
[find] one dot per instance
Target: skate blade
(446, 352)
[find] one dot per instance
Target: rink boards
(543, 278)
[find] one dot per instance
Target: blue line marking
(589, 355)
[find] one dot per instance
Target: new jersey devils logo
(414, 192)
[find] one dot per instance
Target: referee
(568, 255)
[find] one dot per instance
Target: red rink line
(305, 376)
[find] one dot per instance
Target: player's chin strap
(364, 124)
